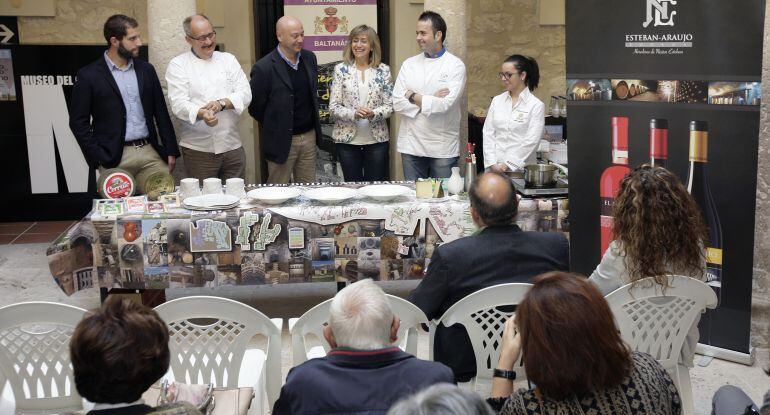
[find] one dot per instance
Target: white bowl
(274, 195)
(330, 194)
(384, 192)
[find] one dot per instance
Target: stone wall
(760, 302)
(80, 21)
(500, 28)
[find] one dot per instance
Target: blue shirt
(294, 66)
(437, 55)
(136, 126)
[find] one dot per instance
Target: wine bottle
(699, 188)
(658, 142)
(609, 184)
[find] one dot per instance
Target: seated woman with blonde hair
(574, 354)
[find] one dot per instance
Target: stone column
(166, 40)
(455, 13)
(760, 302)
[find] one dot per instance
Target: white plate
(330, 194)
(384, 192)
(211, 201)
(274, 195)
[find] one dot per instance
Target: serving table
(298, 241)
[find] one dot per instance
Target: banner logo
(331, 22)
(657, 10)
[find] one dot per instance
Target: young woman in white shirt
(515, 119)
(360, 103)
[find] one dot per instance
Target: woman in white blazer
(360, 103)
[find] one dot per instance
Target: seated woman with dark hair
(658, 230)
(574, 354)
(117, 353)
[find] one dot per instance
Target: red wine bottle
(609, 184)
(659, 142)
(699, 188)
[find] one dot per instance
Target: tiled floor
(32, 232)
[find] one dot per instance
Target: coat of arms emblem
(331, 22)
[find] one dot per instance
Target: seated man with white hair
(364, 372)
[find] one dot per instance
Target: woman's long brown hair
(659, 225)
(570, 343)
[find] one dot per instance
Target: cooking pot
(540, 175)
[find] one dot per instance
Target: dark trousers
(368, 163)
(731, 400)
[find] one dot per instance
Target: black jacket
(96, 95)
(272, 102)
(497, 255)
(348, 381)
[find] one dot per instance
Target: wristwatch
(222, 103)
(411, 97)
(507, 374)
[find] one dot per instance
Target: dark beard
(125, 53)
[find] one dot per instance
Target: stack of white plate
(384, 192)
(211, 202)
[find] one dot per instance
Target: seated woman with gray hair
(442, 399)
(363, 372)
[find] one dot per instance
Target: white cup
(212, 186)
(189, 187)
(235, 186)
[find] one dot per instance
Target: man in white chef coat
(427, 94)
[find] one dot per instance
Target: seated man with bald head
(499, 253)
(363, 373)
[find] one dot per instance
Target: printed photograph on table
(277, 272)
(229, 267)
(391, 269)
(369, 258)
(589, 89)
(208, 235)
(346, 270)
(323, 271)
(178, 236)
(105, 252)
(252, 268)
(735, 93)
(415, 268)
(300, 266)
(346, 247)
(155, 240)
(131, 254)
(205, 272)
(389, 247)
(157, 277)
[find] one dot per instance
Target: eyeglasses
(507, 75)
(203, 38)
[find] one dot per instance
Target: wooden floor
(32, 232)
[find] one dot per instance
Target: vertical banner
(327, 24)
(46, 176)
(677, 82)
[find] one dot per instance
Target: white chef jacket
(194, 82)
(512, 132)
(432, 130)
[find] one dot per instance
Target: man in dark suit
(499, 253)
(363, 373)
(284, 101)
(116, 104)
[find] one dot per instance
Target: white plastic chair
(656, 320)
(313, 320)
(208, 342)
(35, 358)
(484, 322)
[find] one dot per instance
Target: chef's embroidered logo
(658, 11)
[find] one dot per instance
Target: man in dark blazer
(284, 86)
(499, 253)
(116, 104)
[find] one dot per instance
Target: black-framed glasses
(507, 75)
(203, 38)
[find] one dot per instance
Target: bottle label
(606, 209)
(699, 146)
(714, 256)
(714, 275)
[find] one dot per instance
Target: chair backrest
(209, 337)
(655, 320)
(35, 358)
(479, 313)
(312, 322)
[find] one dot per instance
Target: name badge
(519, 116)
